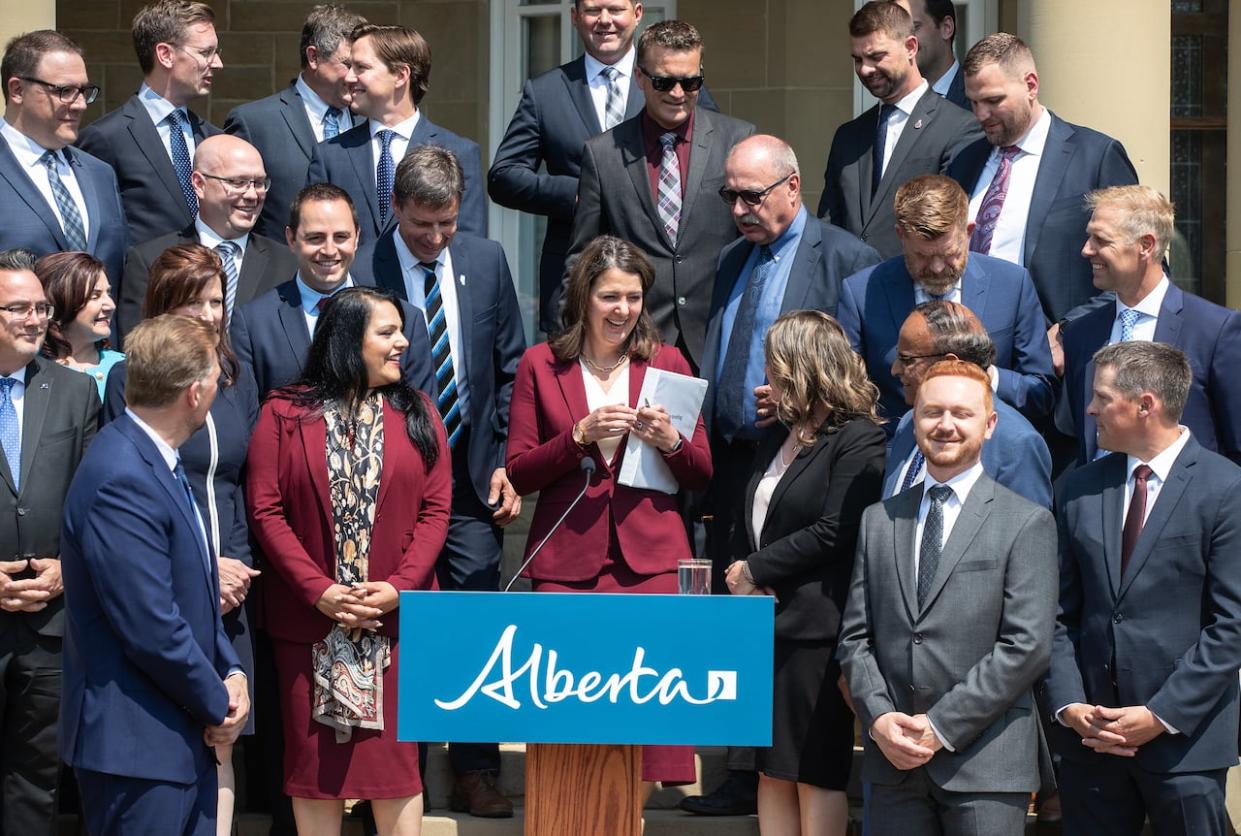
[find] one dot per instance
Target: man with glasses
(785, 260)
(48, 415)
(287, 125)
(936, 264)
(149, 141)
(231, 185)
(54, 197)
(648, 181)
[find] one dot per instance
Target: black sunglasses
(664, 83)
(750, 198)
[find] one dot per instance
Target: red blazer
(291, 515)
(549, 397)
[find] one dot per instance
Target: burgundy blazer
(291, 515)
(549, 397)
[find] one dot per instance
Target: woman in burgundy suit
(577, 396)
(349, 487)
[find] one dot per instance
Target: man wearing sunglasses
(54, 197)
(231, 185)
(653, 179)
(149, 140)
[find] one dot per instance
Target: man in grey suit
(287, 125)
(48, 415)
(654, 181)
(910, 131)
(947, 628)
(1143, 679)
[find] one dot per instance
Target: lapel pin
(918, 125)
(461, 279)
(43, 386)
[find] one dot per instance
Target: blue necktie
(441, 355)
(915, 466)
(732, 396)
(70, 218)
(1128, 320)
(181, 158)
(228, 257)
(10, 432)
(384, 174)
(932, 541)
(881, 140)
(331, 123)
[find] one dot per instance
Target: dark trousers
(1114, 797)
(30, 676)
(115, 804)
(725, 504)
(917, 805)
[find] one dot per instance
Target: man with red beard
(947, 628)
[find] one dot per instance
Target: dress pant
(916, 805)
(1114, 798)
(30, 680)
(115, 805)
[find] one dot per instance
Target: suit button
(679, 259)
(681, 301)
(1118, 617)
(865, 236)
(21, 512)
(912, 688)
(917, 638)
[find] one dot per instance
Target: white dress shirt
(311, 297)
(29, 156)
(210, 239)
(158, 108)
(316, 110)
(400, 142)
(1009, 239)
(1144, 328)
(598, 83)
(945, 81)
(416, 293)
(896, 122)
(961, 485)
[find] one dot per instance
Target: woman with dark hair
(577, 396)
(77, 288)
(188, 279)
(350, 486)
(814, 473)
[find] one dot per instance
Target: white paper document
(682, 396)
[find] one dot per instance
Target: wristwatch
(579, 437)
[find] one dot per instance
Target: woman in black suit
(814, 474)
(188, 279)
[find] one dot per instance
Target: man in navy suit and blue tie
(286, 126)
(389, 76)
(1143, 681)
(1128, 234)
(933, 228)
(149, 141)
(463, 286)
(151, 680)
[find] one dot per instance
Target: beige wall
(18, 16)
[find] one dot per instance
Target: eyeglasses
(908, 359)
(240, 185)
(209, 54)
(664, 83)
(750, 198)
(67, 93)
(23, 310)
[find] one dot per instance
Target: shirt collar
(1162, 462)
(652, 130)
(1035, 138)
(210, 239)
(19, 375)
(312, 100)
(790, 236)
(906, 105)
(156, 105)
(311, 297)
(945, 81)
(1150, 303)
(404, 130)
(170, 455)
(961, 484)
(407, 259)
(28, 152)
(624, 66)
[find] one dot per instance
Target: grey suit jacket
(931, 139)
(969, 658)
(614, 198)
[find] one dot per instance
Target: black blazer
(267, 263)
(127, 140)
(808, 539)
(956, 91)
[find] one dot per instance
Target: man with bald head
(231, 184)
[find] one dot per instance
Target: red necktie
(1136, 516)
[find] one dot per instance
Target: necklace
(605, 369)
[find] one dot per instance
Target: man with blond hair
(1128, 234)
(936, 264)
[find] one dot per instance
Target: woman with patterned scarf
(349, 487)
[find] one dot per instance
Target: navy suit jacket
(269, 335)
(145, 651)
(825, 255)
(536, 167)
(492, 330)
(1075, 160)
(1166, 632)
(278, 127)
(956, 90)
(1210, 335)
(346, 161)
(1015, 456)
(127, 140)
(30, 222)
(875, 302)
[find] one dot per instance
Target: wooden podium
(586, 790)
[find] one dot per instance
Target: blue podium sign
(583, 668)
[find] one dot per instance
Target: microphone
(587, 466)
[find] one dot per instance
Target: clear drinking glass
(694, 576)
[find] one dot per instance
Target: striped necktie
(614, 109)
(228, 257)
(70, 218)
(441, 355)
(670, 186)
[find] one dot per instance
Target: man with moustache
(150, 140)
(936, 263)
(947, 628)
(286, 126)
(908, 133)
(650, 181)
(935, 27)
(231, 183)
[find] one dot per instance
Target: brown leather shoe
(476, 793)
